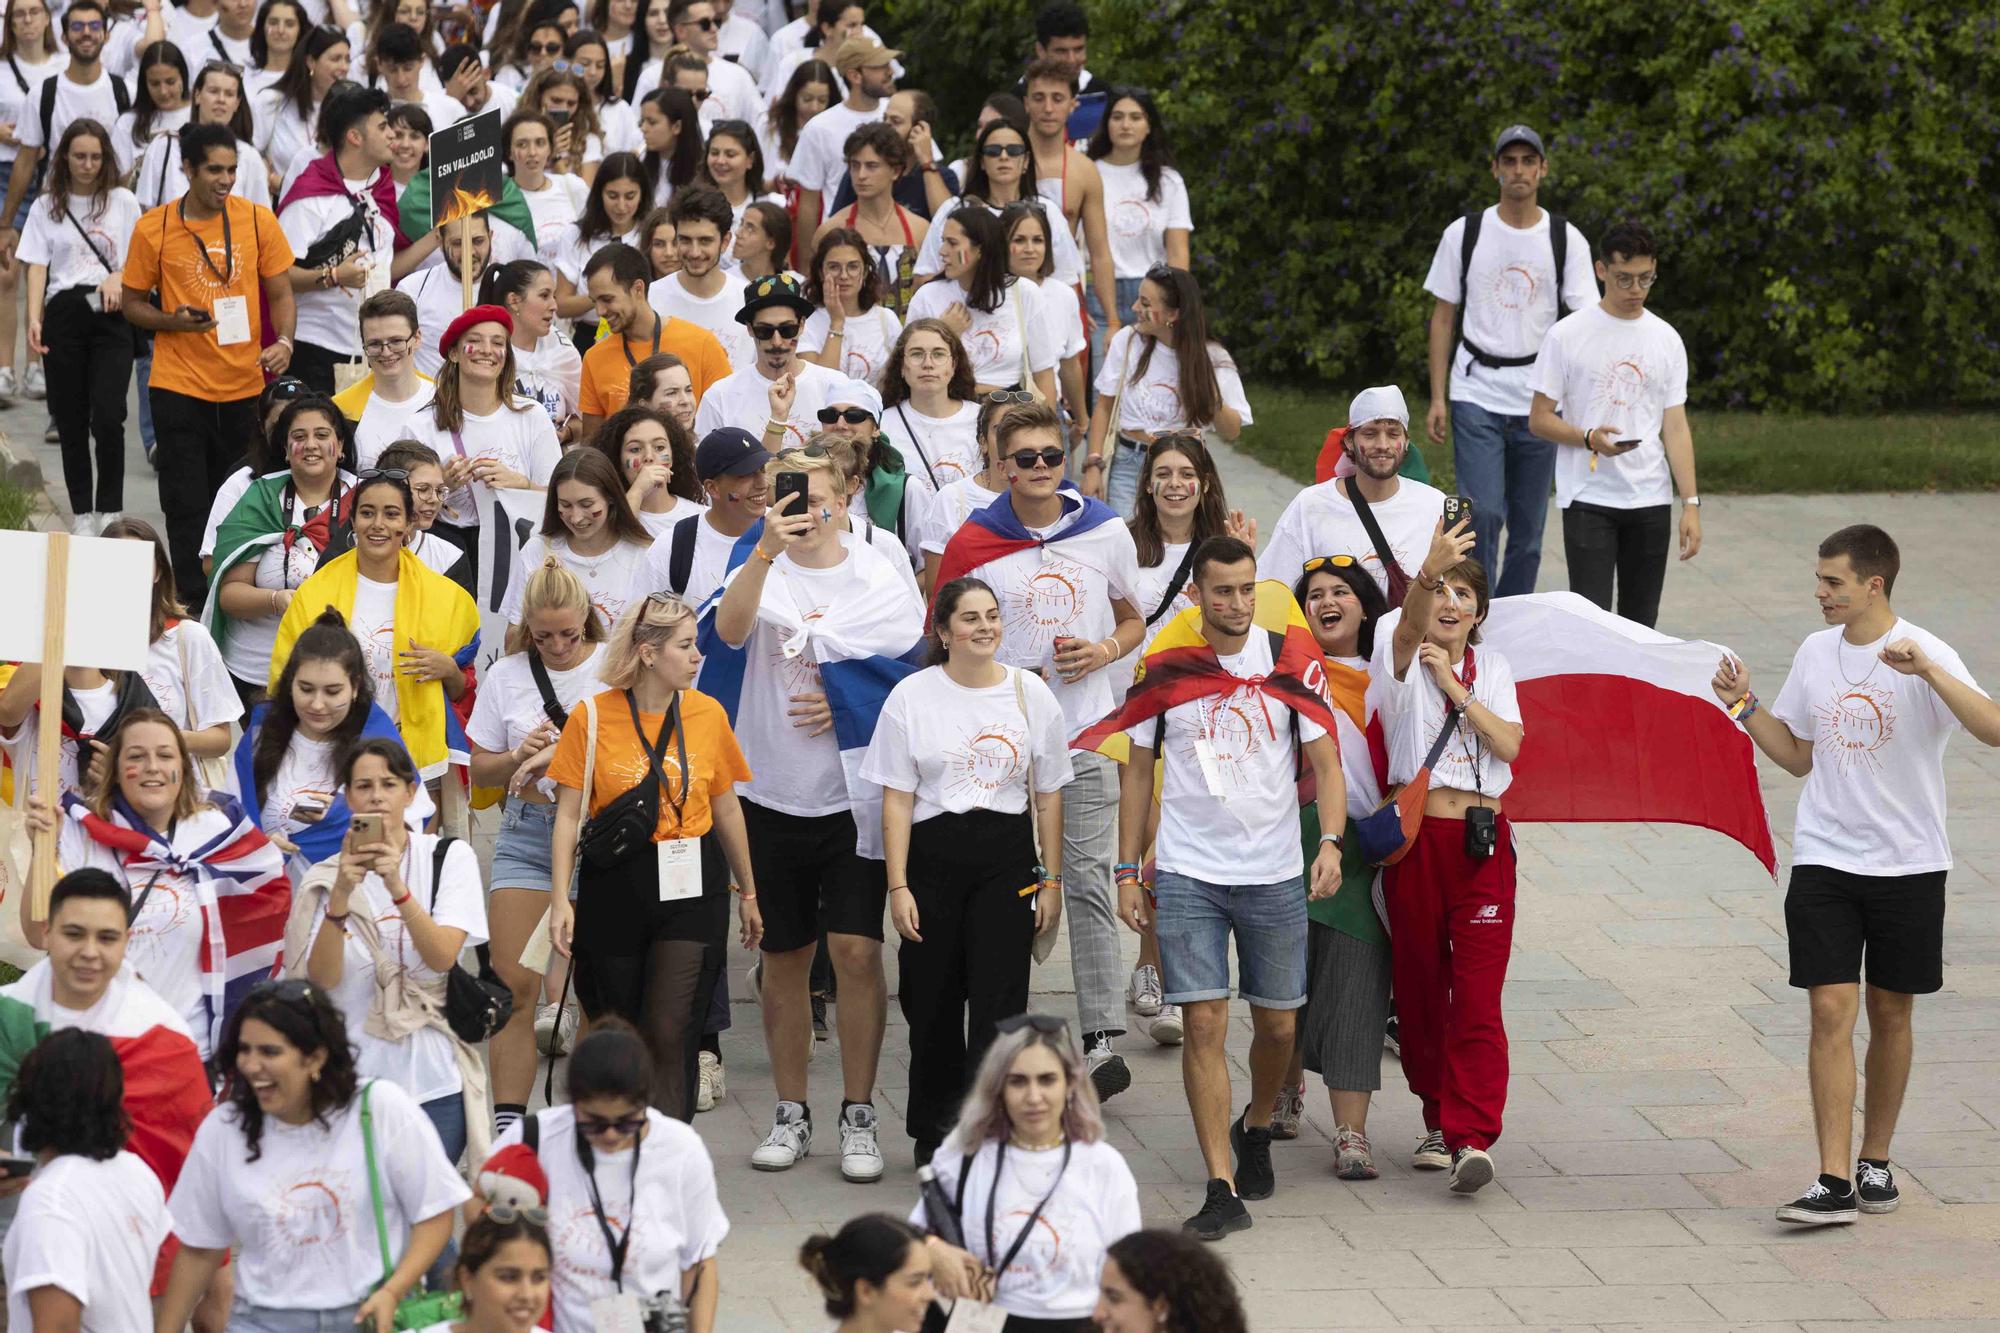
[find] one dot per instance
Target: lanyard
(222, 275)
(659, 327)
(656, 751)
(999, 1155)
(617, 1245)
(139, 903)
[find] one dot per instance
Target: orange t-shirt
(607, 366)
(166, 253)
(712, 755)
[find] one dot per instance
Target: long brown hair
(596, 471)
(9, 48)
(327, 639)
(447, 404)
(166, 599)
(962, 388)
(61, 189)
(186, 803)
(610, 437)
(1201, 394)
(1211, 512)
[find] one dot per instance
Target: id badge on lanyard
(970, 1316)
(680, 868)
(232, 320)
(617, 1313)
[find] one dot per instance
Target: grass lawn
(1735, 452)
(16, 505)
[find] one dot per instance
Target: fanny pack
(1387, 833)
(626, 824)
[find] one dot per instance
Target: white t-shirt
(96, 702)
(710, 562)
(247, 647)
(125, 146)
(21, 92)
(1873, 803)
(440, 299)
(866, 340)
(423, 1064)
(1243, 829)
(520, 436)
(189, 31)
(305, 776)
(74, 101)
(949, 508)
(1153, 583)
(1151, 401)
(717, 313)
(940, 449)
(383, 422)
(1096, 1203)
(962, 749)
(1412, 711)
(1064, 589)
(558, 203)
(607, 577)
(160, 179)
(993, 339)
(662, 523)
(670, 1208)
(743, 400)
(567, 251)
(199, 695)
(796, 772)
(373, 622)
(301, 1213)
(1137, 225)
(509, 706)
(327, 318)
(819, 158)
(551, 373)
(49, 239)
(1623, 373)
(1322, 521)
(1065, 259)
(91, 1229)
(1512, 302)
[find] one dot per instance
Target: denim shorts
(521, 852)
(1193, 920)
(247, 1318)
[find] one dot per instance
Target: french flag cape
(239, 881)
(996, 532)
(867, 640)
(316, 842)
(1621, 724)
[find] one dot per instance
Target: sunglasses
(706, 25)
(1319, 562)
(591, 1127)
(1047, 1024)
(763, 333)
(506, 1214)
(286, 389)
(698, 94)
(292, 990)
(1004, 150)
(382, 474)
(1008, 397)
(853, 416)
(1026, 459)
(545, 48)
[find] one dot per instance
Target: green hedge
(1820, 173)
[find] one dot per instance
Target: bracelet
(1113, 649)
(1120, 876)
(1335, 839)
(1435, 583)
(902, 888)
(274, 601)
(758, 551)
(747, 897)
(340, 920)
(398, 902)
(773, 424)
(1741, 710)
(284, 338)
(1132, 866)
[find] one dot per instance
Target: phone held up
(1456, 510)
(366, 828)
(789, 484)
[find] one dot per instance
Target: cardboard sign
(466, 170)
(108, 601)
(507, 519)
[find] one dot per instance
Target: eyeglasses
(85, 25)
(1004, 150)
(853, 416)
(545, 48)
(763, 333)
(1047, 1024)
(506, 1214)
(698, 94)
(706, 25)
(591, 1127)
(382, 474)
(1319, 562)
(1026, 459)
(1643, 281)
(377, 346)
(1008, 397)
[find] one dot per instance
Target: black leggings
(90, 371)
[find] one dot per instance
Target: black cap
(729, 451)
(780, 289)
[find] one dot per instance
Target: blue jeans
(1506, 472)
(447, 1117)
(1194, 918)
(1127, 293)
(1124, 461)
(247, 1318)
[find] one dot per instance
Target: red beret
(479, 314)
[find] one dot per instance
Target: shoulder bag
(627, 822)
(421, 1308)
(1044, 943)
(475, 1006)
(1399, 582)
(1387, 833)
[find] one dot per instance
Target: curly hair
(303, 1015)
(69, 1097)
(1174, 1267)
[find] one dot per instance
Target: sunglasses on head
(1025, 459)
(292, 990)
(1008, 397)
(1004, 150)
(1319, 562)
(286, 389)
(1047, 1024)
(853, 416)
(382, 474)
(763, 333)
(506, 1214)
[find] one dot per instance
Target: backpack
(119, 95)
(680, 554)
(1558, 243)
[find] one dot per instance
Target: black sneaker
(820, 1032)
(1107, 1070)
(1819, 1206)
(1391, 1040)
(1471, 1171)
(1254, 1177)
(1221, 1213)
(1877, 1187)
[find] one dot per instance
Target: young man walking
(1617, 374)
(700, 291)
(1864, 717)
(1230, 696)
(615, 278)
(819, 160)
(1512, 270)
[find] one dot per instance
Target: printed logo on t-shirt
(1855, 725)
(169, 906)
(1047, 604)
(379, 649)
(797, 672)
(949, 470)
(1236, 727)
(986, 763)
(166, 691)
(857, 366)
(1511, 291)
(579, 1246)
(1132, 218)
(983, 345)
(191, 273)
(310, 1213)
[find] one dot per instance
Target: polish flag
(1621, 725)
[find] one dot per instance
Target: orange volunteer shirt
(166, 254)
(713, 756)
(607, 366)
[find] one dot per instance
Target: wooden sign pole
(48, 733)
(465, 258)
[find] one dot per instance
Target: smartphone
(310, 811)
(1456, 509)
(197, 312)
(790, 484)
(1625, 446)
(365, 828)
(16, 1168)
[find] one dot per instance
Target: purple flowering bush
(1820, 174)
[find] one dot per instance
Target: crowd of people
(798, 538)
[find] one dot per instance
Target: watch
(1691, 501)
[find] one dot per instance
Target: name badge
(377, 279)
(232, 320)
(970, 1316)
(680, 869)
(617, 1313)
(1211, 768)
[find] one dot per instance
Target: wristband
(1120, 876)
(398, 902)
(1335, 839)
(1741, 710)
(773, 424)
(1435, 583)
(758, 551)
(284, 338)
(1132, 866)
(340, 920)
(902, 888)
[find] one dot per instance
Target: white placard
(109, 603)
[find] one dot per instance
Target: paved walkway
(1657, 1112)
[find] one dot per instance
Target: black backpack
(475, 1007)
(119, 94)
(1558, 242)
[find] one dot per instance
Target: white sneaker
(555, 1028)
(790, 1139)
(714, 1082)
(34, 383)
(860, 1155)
(105, 520)
(84, 525)
(9, 386)
(1430, 1153)
(1471, 1170)
(1166, 1026)
(1143, 991)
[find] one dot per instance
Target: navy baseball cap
(1518, 134)
(729, 451)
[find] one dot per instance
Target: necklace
(1050, 1146)
(1840, 663)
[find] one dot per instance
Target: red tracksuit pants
(1451, 925)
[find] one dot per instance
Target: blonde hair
(798, 460)
(554, 588)
(982, 1117)
(650, 620)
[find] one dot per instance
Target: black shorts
(810, 879)
(1834, 916)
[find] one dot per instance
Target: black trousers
(971, 968)
(1630, 545)
(200, 444)
(90, 371)
(314, 364)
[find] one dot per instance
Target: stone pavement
(1657, 1113)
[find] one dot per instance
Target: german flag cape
(995, 532)
(1181, 667)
